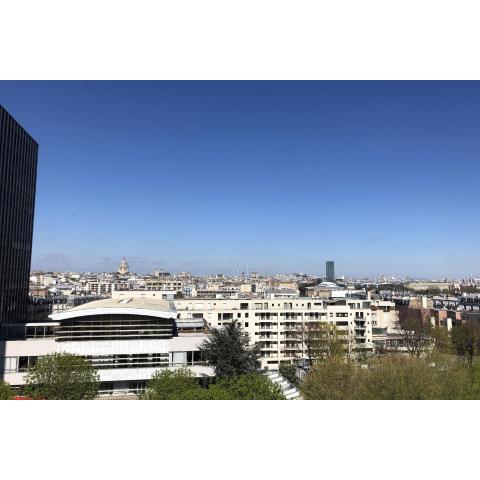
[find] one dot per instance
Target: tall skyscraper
(18, 176)
(330, 271)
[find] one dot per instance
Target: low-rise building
(126, 340)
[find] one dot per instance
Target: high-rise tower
(18, 176)
(330, 271)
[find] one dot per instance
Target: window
(179, 358)
(22, 364)
(8, 364)
(246, 324)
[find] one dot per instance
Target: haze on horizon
(215, 177)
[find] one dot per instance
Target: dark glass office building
(330, 271)
(18, 175)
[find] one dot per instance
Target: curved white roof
(150, 307)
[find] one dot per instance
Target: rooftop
(134, 306)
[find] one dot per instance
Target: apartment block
(275, 324)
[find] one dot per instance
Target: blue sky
(381, 177)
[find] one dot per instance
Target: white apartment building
(167, 283)
(99, 287)
(274, 323)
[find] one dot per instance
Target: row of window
(23, 363)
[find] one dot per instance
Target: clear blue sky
(382, 177)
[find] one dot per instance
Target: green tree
(393, 377)
(62, 376)
(441, 340)
(465, 340)
(333, 378)
(289, 372)
(323, 339)
(398, 377)
(179, 384)
(252, 386)
(6, 392)
(416, 330)
(227, 349)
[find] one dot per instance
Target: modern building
(18, 175)
(330, 271)
(126, 340)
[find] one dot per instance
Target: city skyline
(214, 176)
(142, 266)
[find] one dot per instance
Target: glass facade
(330, 271)
(18, 174)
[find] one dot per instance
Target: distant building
(330, 271)
(123, 268)
(18, 174)
(164, 284)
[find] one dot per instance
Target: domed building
(123, 268)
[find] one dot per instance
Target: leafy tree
(455, 380)
(6, 392)
(466, 340)
(416, 329)
(227, 349)
(397, 377)
(289, 371)
(441, 340)
(393, 377)
(251, 386)
(323, 339)
(62, 376)
(474, 372)
(179, 384)
(333, 378)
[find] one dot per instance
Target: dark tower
(330, 271)
(18, 175)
